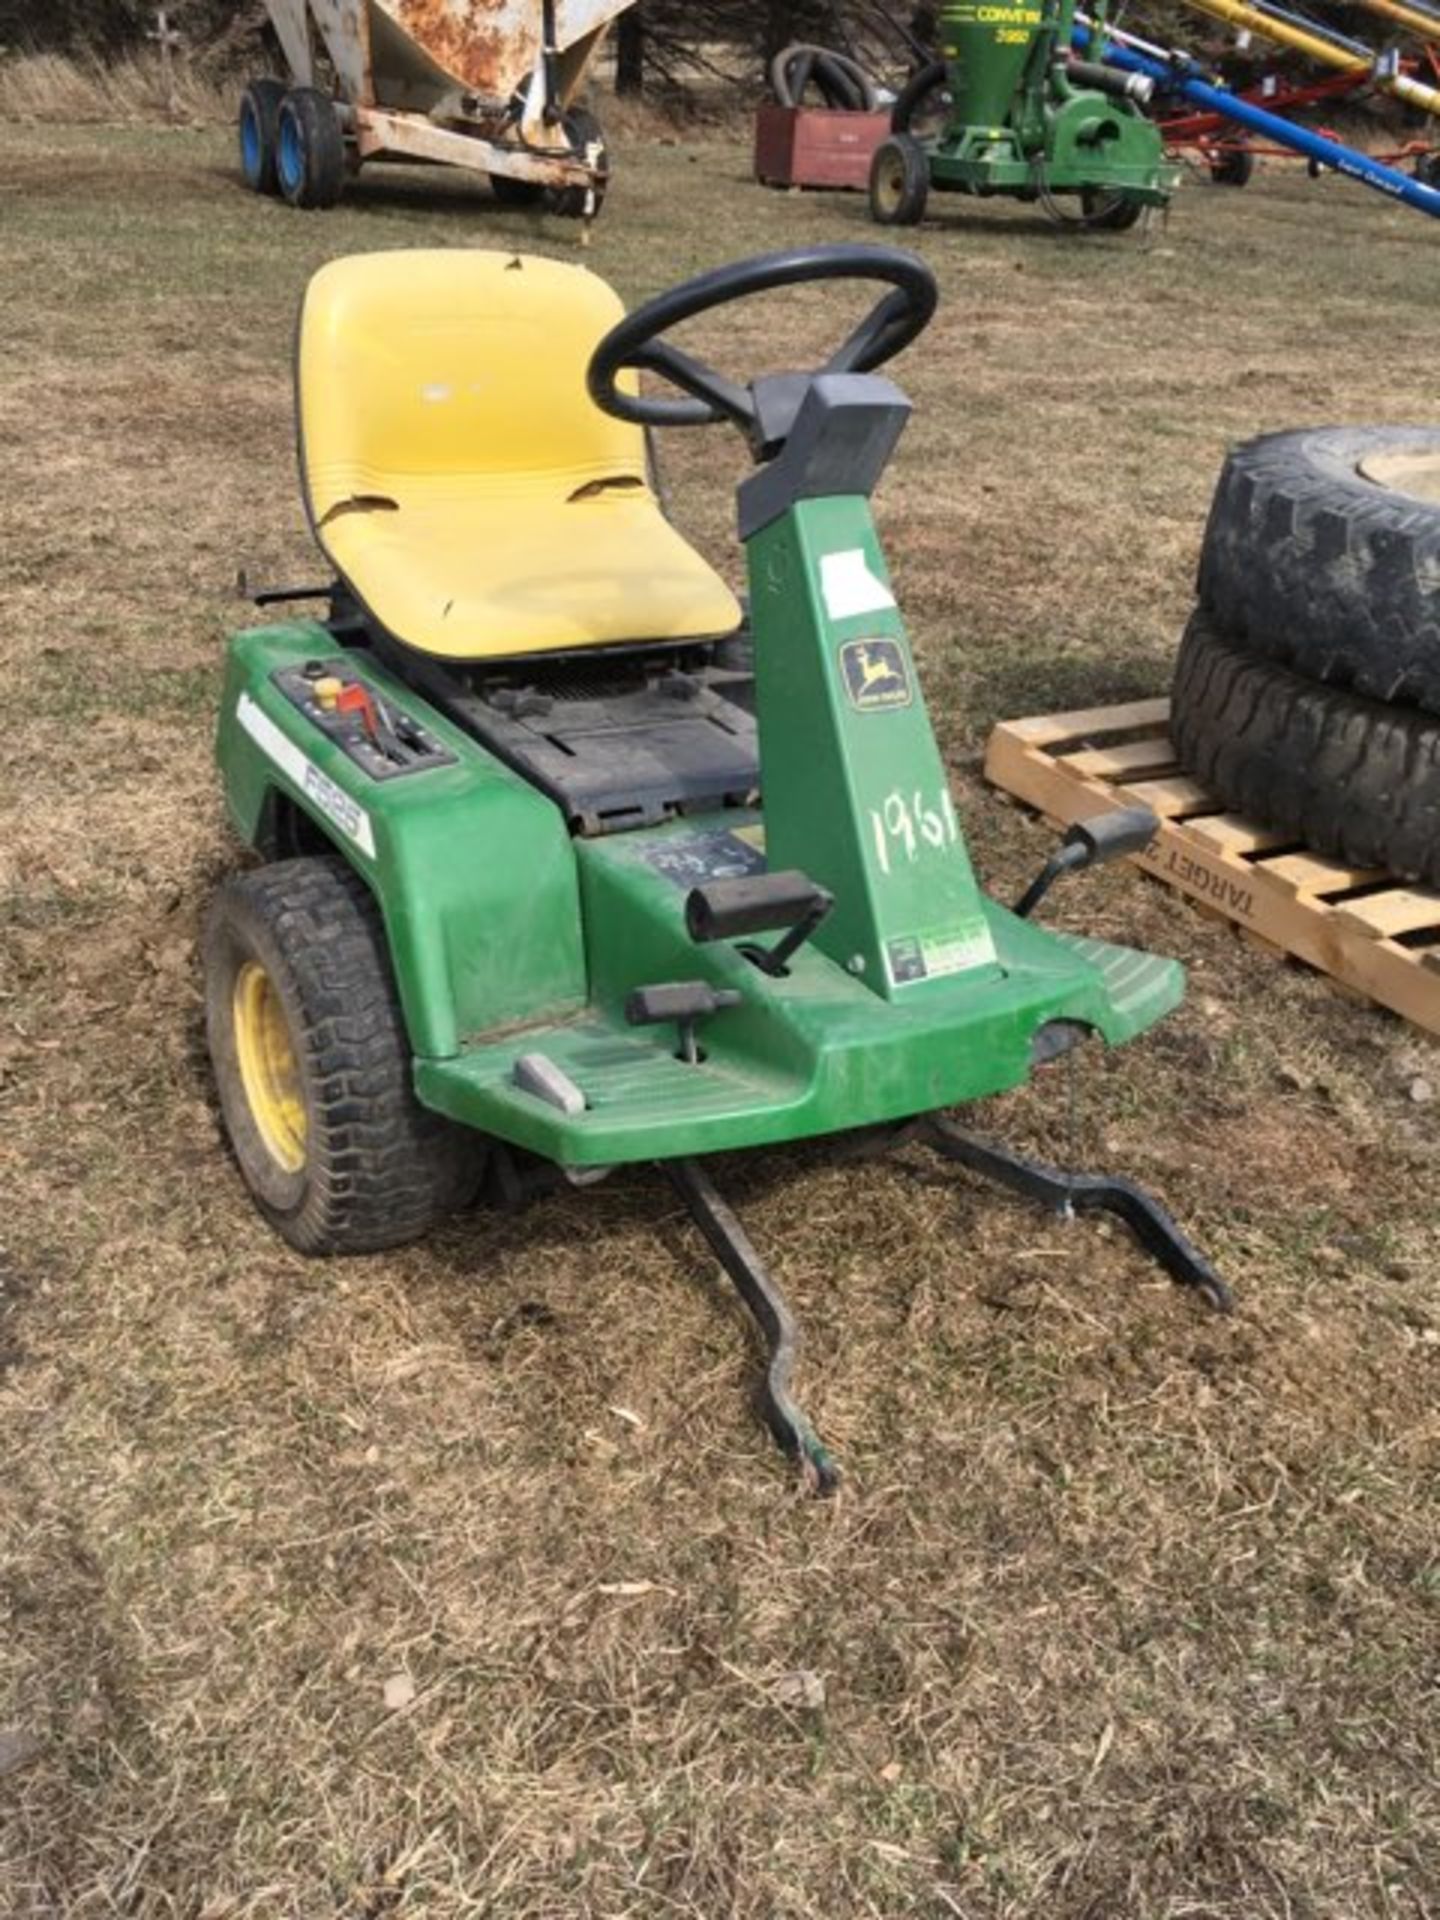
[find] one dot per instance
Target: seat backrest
(440, 370)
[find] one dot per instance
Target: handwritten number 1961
(906, 825)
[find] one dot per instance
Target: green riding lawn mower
(1010, 109)
(566, 863)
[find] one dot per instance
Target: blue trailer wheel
(258, 128)
(309, 149)
(290, 162)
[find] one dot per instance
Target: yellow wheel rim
(890, 182)
(269, 1070)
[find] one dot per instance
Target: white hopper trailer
(489, 85)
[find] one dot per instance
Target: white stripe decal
(849, 587)
(333, 801)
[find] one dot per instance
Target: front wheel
(313, 1065)
(310, 149)
(1109, 212)
(1233, 166)
(510, 192)
(899, 181)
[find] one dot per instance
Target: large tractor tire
(1348, 776)
(310, 149)
(1322, 552)
(258, 129)
(313, 1065)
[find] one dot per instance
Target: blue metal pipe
(1179, 75)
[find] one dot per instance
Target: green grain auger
(1021, 116)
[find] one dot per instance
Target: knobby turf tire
(1309, 563)
(1347, 776)
(379, 1169)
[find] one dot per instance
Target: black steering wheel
(891, 324)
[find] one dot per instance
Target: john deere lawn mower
(1009, 109)
(563, 866)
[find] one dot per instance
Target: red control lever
(356, 698)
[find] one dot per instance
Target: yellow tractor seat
(459, 477)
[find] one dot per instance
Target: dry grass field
(462, 1582)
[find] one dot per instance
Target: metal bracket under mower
(1065, 1194)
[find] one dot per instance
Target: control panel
(369, 728)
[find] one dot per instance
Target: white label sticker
(351, 818)
(955, 955)
(929, 956)
(849, 587)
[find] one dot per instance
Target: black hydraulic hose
(931, 78)
(790, 74)
(840, 81)
(1120, 86)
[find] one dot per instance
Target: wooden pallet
(1371, 933)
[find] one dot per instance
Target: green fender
(473, 869)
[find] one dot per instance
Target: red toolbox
(816, 146)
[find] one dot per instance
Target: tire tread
(1307, 563)
(322, 146)
(1351, 777)
(382, 1168)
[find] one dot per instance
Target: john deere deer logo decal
(875, 674)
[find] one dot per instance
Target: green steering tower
(1024, 118)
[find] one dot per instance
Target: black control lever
(684, 1002)
(758, 903)
(1090, 843)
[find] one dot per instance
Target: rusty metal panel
(575, 18)
(407, 53)
(487, 45)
